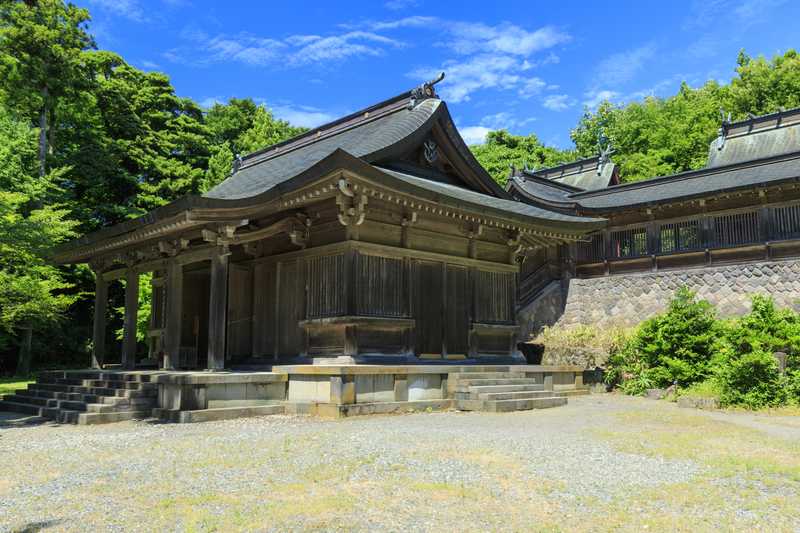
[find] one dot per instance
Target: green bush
(675, 346)
(792, 381)
(751, 380)
(745, 367)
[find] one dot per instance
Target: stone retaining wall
(627, 299)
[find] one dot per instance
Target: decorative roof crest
(424, 91)
(723, 128)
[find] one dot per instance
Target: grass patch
(750, 480)
(703, 389)
(9, 385)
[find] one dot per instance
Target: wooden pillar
(129, 324)
(172, 341)
(218, 309)
(99, 329)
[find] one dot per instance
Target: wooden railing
(714, 231)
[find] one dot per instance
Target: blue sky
(527, 66)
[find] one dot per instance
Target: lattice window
(325, 296)
(494, 297)
(786, 222)
(593, 250)
(680, 236)
(629, 243)
(736, 229)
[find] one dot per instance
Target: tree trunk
(25, 354)
(43, 133)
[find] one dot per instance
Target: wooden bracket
(173, 247)
(408, 220)
(352, 206)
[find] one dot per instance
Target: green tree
(662, 136)
(33, 293)
(238, 128)
(41, 51)
(502, 150)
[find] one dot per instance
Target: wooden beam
(129, 325)
(218, 309)
(99, 326)
(172, 341)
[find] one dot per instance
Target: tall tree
(41, 45)
(33, 293)
(503, 150)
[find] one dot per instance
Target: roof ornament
(424, 91)
(431, 151)
(605, 149)
(722, 133)
(237, 163)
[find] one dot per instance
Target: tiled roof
(362, 135)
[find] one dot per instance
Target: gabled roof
(693, 184)
(756, 138)
(587, 174)
(379, 133)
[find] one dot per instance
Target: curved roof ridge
(327, 130)
(680, 176)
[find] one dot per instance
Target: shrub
(751, 380)
(588, 346)
(675, 346)
(745, 366)
(792, 381)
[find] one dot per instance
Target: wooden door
(457, 310)
(429, 308)
(240, 312)
(291, 300)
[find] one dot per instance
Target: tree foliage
(662, 136)
(503, 150)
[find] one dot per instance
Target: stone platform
(96, 396)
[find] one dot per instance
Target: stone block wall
(627, 299)
(545, 310)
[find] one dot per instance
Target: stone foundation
(627, 299)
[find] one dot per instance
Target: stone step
(32, 400)
(17, 407)
(501, 388)
(500, 381)
(73, 396)
(572, 392)
(497, 396)
(135, 405)
(510, 405)
(219, 413)
(471, 369)
(460, 376)
(62, 416)
(108, 418)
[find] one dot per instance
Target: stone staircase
(85, 397)
(503, 391)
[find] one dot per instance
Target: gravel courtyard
(603, 462)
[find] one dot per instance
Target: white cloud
(208, 103)
(595, 98)
(150, 65)
(415, 21)
(622, 67)
(504, 120)
(354, 43)
(480, 72)
(531, 87)
(469, 38)
(496, 57)
(558, 102)
(129, 9)
(474, 134)
(397, 5)
(306, 116)
(295, 50)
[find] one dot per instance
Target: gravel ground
(602, 462)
